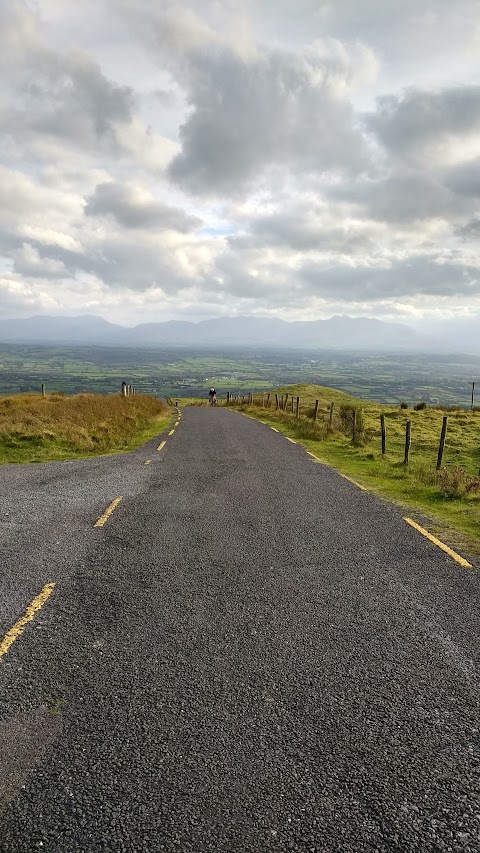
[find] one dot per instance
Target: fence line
(353, 425)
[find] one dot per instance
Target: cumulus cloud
(135, 207)
(28, 262)
(399, 279)
(293, 158)
(59, 95)
(464, 179)
(276, 109)
(428, 128)
(404, 196)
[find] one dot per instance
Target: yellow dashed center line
(161, 445)
(148, 462)
(171, 432)
(29, 614)
(177, 423)
(106, 515)
(439, 544)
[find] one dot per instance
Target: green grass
(381, 377)
(40, 429)
(441, 501)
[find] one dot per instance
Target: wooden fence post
(442, 442)
(43, 389)
(276, 401)
(124, 389)
(228, 397)
(268, 401)
(473, 394)
(315, 411)
(330, 418)
(384, 434)
(354, 425)
(298, 407)
(292, 404)
(408, 441)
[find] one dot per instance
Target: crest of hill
(309, 393)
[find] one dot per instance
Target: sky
(185, 159)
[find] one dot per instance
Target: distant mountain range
(343, 333)
(338, 332)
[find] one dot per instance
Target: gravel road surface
(251, 655)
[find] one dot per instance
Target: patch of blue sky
(216, 231)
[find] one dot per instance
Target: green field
(384, 378)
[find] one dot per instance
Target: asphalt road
(251, 655)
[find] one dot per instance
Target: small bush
(420, 406)
(424, 472)
(310, 430)
(456, 483)
(346, 420)
(403, 405)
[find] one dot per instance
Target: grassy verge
(447, 501)
(40, 429)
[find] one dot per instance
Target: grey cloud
(403, 279)
(403, 197)
(70, 98)
(79, 103)
(407, 125)
(303, 228)
(138, 266)
(65, 96)
(275, 109)
(465, 179)
(470, 231)
(29, 262)
(133, 209)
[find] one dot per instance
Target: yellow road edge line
(171, 432)
(106, 515)
(315, 458)
(275, 430)
(439, 544)
(161, 445)
(290, 439)
(148, 462)
(27, 617)
(354, 482)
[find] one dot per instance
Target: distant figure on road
(212, 396)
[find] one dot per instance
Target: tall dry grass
(54, 426)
